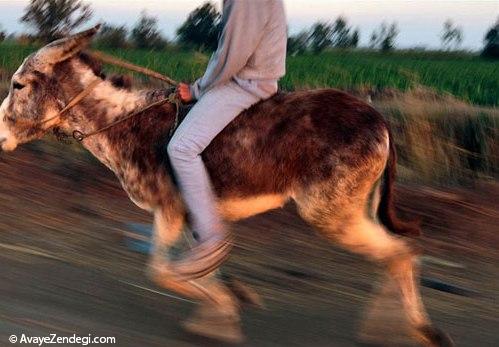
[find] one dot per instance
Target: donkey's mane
(118, 81)
(94, 64)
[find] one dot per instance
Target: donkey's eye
(17, 85)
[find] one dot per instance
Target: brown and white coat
(324, 149)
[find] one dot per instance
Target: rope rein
(80, 136)
(109, 59)
(82, 95)
(172, 99)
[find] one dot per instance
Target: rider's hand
(184, 91)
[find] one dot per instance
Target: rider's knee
(172, 149)
(180, 150)
(175, 150)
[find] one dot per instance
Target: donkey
(324, 149)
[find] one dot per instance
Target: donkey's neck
(107, 104)
(104, 105)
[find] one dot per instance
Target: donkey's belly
(240, 208)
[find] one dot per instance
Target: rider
(244, 69)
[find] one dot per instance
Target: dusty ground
(64, 268)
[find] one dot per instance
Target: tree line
(52, 19)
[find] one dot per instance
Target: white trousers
(208, 117)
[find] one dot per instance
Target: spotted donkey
(324, 149)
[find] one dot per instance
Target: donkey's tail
(386, 208)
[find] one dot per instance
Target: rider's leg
(209, 116)
(218, 304)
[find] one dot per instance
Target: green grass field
(467, 77)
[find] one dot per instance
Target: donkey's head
(36, 94)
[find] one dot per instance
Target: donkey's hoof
(228, 331)
(434, 337)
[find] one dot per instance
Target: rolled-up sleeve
(242, 29)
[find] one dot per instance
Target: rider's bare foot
(203, 258)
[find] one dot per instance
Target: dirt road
(64, 267)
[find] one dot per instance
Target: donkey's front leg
(218, 314)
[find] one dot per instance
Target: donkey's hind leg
(218, 314)
(343, 220)
(372, 240)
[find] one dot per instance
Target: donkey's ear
(67, 47)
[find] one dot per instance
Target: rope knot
(174, 99)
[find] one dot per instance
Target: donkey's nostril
(2, 140)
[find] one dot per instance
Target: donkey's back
(295, 140)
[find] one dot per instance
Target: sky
(420, 21)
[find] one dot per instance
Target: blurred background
(431, 67)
